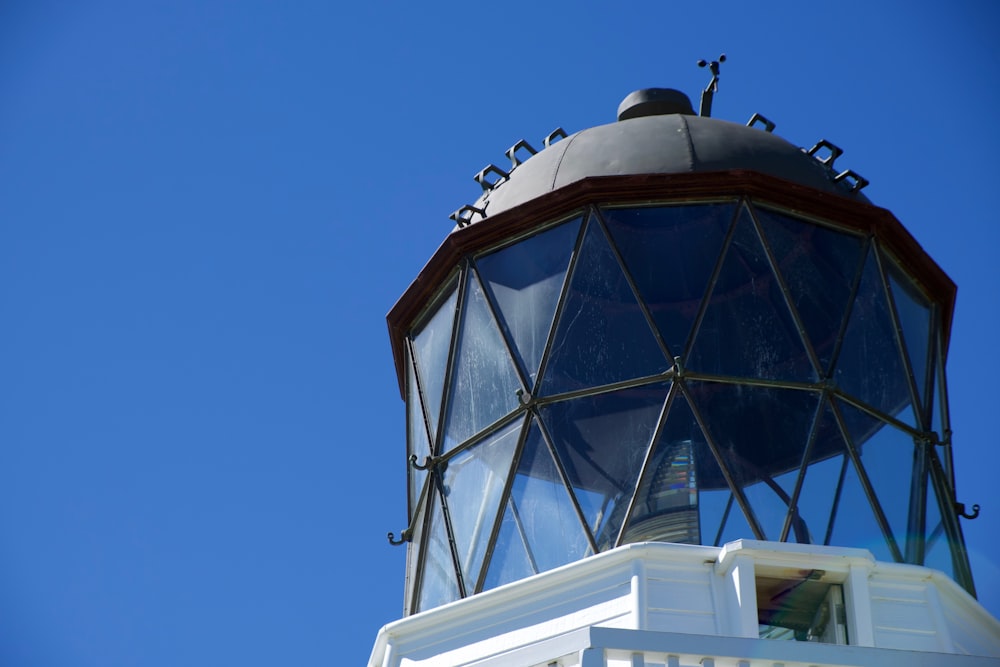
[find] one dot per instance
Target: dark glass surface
(602, 442)
(937, 550)
(747, 299)
(886, 454)
(417, 442)
(438, 585)
(818, 266)
(670, 252)
(540, 518)
(602, 336)
(473, 484)
(818, 485)
(914, 314)
(760, 432)
(870, 366)
(430, 347)
(484, 382)
(525, 280)
(854, 523)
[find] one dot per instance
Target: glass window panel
(417, 444)
(819, 483)
(914, 315)
(937, 550)
(870, 366)
(886, 454)
(684, 496)
(540, 519)
(747, 330)
(413, 554)
(602, 442)
(818, 265)
(670, 252)
(511, 560)
(761, 432)
(525, 280)
(854, 523)
(439, 584)
(770, 499)
(430, 347)
(473, 483)
(484, 383)
(602, 335)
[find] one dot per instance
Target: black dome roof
(661, 144)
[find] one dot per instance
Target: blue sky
(207, 208)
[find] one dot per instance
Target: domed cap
(654, 102)
(658, 134)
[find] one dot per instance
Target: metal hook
(426, 465)
(960, 510)
(405, 536)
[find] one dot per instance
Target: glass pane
(484, 384)
(473, 483)
(914, 315)
(870, 366)
(602, 335)
(853, 522)
(818, 265)
(430, 347)
(417, 444)
(747, 330)
(670, 253)
(819, 483)
(683, 496)
(761, 433)
(525, 280)
(937, 550)
(511, 560)
(886, 454)
(540, 519)
(413, 554)
(602, 442)
(439, 584)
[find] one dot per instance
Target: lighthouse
(676, 395)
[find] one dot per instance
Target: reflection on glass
(473, 482)
(416, 440)
(747, 298)
(602, 335)
(914, 315)
(870, 365)
(885, 452)
(540, 517)
(670, 252)
(818, 266)
(430, 347)
(484, 383)
(602, 441)
(439, 584)
(525, 280)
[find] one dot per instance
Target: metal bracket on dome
(512, 153)
(554, 136)
(463, 216)
(859, 181)
(757, 118)
(487, 170)
(835, 152)
(712, 87)
(405, 536)
(960, 511)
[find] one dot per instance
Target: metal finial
(713, 85)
